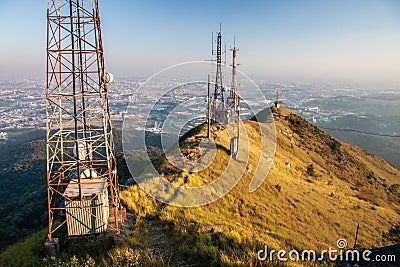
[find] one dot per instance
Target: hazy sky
(342, 40)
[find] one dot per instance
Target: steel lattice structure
(234, 106)
(80, 146)
(218, 109)
(234, 99)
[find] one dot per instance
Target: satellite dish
(107, 77)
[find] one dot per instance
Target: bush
(393, 235)
(335, 146)
(311, 171)
(278, 187)
(298, 124)
(73, 262)
(133, 257)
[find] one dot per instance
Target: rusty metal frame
(218, 109)
(234, 99)
(77, 105)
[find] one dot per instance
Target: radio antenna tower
(81, 163)
(234, 104)
(234, 100)
(218, 109)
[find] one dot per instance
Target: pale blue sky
(342, 40)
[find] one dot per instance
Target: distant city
(345, 112)
(22, 103)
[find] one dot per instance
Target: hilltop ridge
(317, 191)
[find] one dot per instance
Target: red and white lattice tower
(81, 163)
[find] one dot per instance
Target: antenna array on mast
(234, 100)
(218, 108)
(223, 111)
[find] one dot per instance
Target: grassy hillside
(317, 191)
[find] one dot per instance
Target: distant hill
(385, 147)
(22, 186)
(317, 191)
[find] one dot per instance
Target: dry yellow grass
(292, 210)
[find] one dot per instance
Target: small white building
(89, 215)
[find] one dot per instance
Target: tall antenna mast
(218, 109)
(234, 97)
(234, 104)
(81, 163)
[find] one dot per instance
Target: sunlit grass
(295, 208)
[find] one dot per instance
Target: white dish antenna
(107, 77)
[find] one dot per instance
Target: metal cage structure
(234, 105)
(234, 99)
(218, 106)
(82, 183)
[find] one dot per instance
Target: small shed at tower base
(87, 215)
